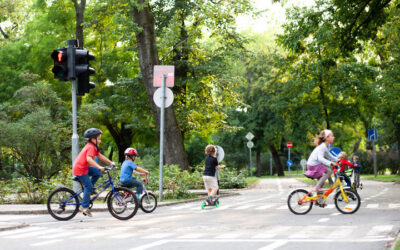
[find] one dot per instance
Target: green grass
(397, 247)
(388, 178)
(251, 180)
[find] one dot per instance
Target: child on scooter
(209, 178)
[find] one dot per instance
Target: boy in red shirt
(85, 166)
(342, 163)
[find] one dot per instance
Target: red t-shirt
(343, 163)
(81, 165)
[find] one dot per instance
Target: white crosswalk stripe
(379, 231)
(394, 205)
(373, 206)
(19, 231)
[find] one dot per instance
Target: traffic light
(83, 71)
(60, 68)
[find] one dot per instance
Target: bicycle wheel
(61, 204)
(294, 204)
(148, 202)
(350, 207)
(122, 204)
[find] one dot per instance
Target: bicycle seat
(312, 178)
(75, 178)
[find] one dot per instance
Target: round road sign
(220, 153)
(250, 144)
(169, 97)
(289, 145)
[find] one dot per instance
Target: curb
(13, 227)
(44, 211)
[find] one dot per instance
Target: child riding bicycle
(86, 166)
(127, 169)
(316, 164)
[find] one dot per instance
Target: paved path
(257, 219)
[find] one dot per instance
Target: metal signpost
(289, 145)
(373, 136)
(303, 164)
(250, 144)
(163, 76)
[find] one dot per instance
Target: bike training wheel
(349, 207)
(293, 202)
(122, 204)
(217, 204)
(148, 202)
(59, 204)
(203, 204)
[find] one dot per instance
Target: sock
(137, 195)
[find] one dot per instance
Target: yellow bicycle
(347, 201)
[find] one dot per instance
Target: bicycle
(148, 201)
(346, 200)
(63, 203)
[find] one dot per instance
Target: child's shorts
(210, 182)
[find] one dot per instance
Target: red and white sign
(289, 145)
(159, 71)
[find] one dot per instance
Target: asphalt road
(256, 219)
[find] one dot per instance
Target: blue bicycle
(63, 203)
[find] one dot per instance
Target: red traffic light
(60, 56)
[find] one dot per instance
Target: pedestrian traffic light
(60, 68)
(83, 71)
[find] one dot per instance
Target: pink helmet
(131, 152)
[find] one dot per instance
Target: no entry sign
(289, 145)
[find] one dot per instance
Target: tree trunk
(80, 19)
(258, 159)
(174, 150)
(122, 137)
(278, 165)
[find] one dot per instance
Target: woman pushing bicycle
(318, 166)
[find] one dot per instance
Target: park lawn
(387, 178)
(252, 180)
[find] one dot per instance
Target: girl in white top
(318, 166)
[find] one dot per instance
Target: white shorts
(210, 182)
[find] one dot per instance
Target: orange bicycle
(347, 201)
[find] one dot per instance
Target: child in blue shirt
(357, 170)
(127, 168)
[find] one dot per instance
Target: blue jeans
(134, 183)
(88, 184)
(346, 179)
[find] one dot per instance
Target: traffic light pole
(75, 136)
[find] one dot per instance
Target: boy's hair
(355, 157)
(210, 149)
(318, 139)
(342, 155)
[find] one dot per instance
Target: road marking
(24, 230)
(182, 207)
(154, 244)
(45, 243)
(191, 236)
(394, 205)
(342, 232)
(274, 245)
(63, 234)
(157, 236)
(279, 185)
(264, 236)
(264, 207)
(331, 206)
(224, 207)
(91, 235)
(372, 205)
(122, 236)
(376, 230)
(282, 207)
(35, 233)
(335, 214)
(244, 207)
(324, 219)
(227, 236)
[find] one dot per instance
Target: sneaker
(85, 211)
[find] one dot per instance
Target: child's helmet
(92, 133)
(131, 152)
